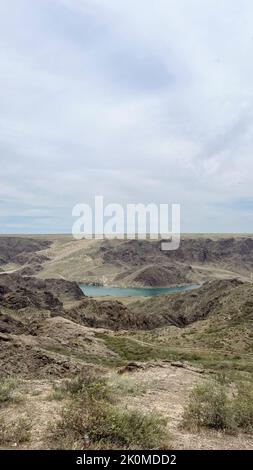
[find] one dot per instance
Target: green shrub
(212, 405)
(7, 386)
(75, 385)
(209, 407)
(128, 429)
(124, 385)
(89, 386)
(57, 394)
(91, 420)
(102, 424)
(243, 407)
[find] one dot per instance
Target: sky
(138, 101)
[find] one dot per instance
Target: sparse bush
(75, 385)
(89, 386)
(212, 406)
(7, 387)
(243, 407)
(126, 429)
(101, 424)
(57, 394)
(125, 385)
(209, 407)
(91, 420)
(15, 432)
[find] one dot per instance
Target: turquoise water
(102, 291)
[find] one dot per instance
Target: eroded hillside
(163, 346)
(128, 262)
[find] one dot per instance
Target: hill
(153, 351)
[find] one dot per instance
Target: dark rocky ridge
(161, 275)
(110, 314)
(229, 252)
(11, 248)
(55, 286)
(11, 325)
(19, 358)
(34, 258)
(40, 336)
(183, 309)
(178, 309)
(18, 292)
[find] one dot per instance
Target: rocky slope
(49, 320)
(185, 308)
(49, 327)
(18, 292)
(157, 275)
(50, 331)
(192, 250)
(142, 262)
(20, 249)
(128, 262)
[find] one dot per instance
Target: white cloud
(139, 101)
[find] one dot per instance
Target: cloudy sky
(138, 101)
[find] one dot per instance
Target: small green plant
(75, 385)
(7, 387)
(125, 385)
(89, 386)
(57, 394)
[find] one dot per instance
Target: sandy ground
(40, 410)
(162, 389)
(167, 390)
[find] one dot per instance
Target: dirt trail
(220, 273)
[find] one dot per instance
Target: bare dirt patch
(167, 389)
(35, 405)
